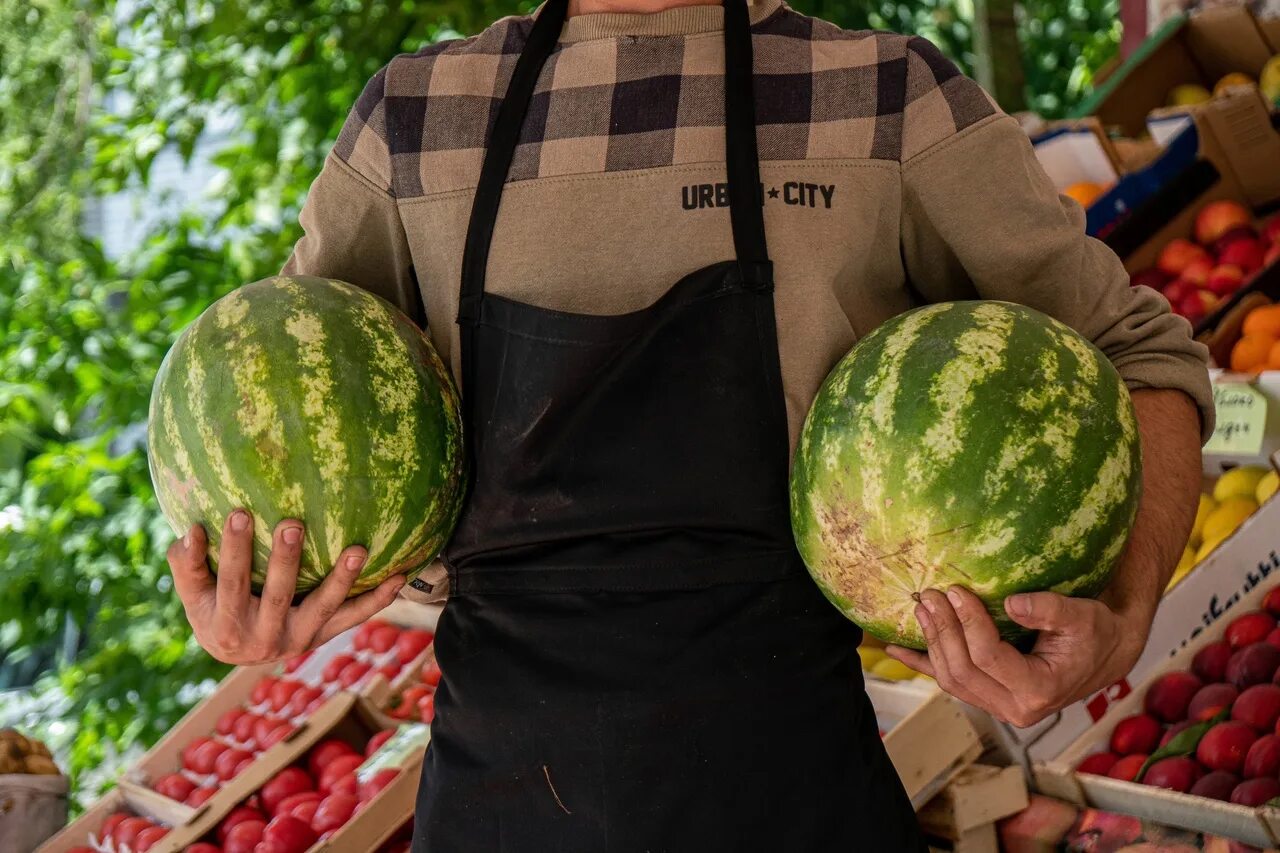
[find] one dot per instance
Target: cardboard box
(1191, 610)
(978, 796)
(124, 798)
(980, 839)
(1197, 49)
(927, 735)
(1254, 548)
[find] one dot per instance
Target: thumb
(1042, 611)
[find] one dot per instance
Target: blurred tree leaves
(91, 91)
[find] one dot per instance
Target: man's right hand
(238, 627)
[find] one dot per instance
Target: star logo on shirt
(773, 192)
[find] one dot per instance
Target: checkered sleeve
(362, 143)
(940, 101)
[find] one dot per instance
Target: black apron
(634, 658)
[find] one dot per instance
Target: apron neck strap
(740, 143)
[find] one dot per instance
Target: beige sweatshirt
(890, 181)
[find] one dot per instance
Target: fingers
(282, 579)
(987, 650)
(192, 579)
(1043, 611)
(919, 661)
(321, 605)
(949, 654)
(362, 608)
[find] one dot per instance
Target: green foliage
(83, 583)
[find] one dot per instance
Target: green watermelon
(300, 397)
(973, 443)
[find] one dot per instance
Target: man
(634, 657)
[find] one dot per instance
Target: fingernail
(186, 540)
(239, 520)
(292, 535)
(953, 595)
(1019, 605)
(923, 618)
(355, 561)
(929, 605)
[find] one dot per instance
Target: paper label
(1242, 420)
(410, 740)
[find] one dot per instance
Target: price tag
(1242, 419)
(409, 741)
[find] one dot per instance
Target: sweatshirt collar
(682, 20)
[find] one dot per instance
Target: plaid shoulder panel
(616, 104)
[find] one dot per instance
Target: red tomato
(202, 847)
(189, 752)
(148, 837)
(293, 664)
(109, 825)
(377, 740)
(427, 708)
(243, 837)
(352, 673)
(231, 762)
(127, 830)
(242, 731)
(305, 695)
(411, 642)
(301, 805)
(384, 638)
(294, 835)
(262, 690)
(334, 667)
(337, 768)
(227, 722)
(360, 641)
(431, 673)
(408, 703)
(374, 786)
(324, 752)
(390, 671)
(286, 783)
(261, 728)
(175, 786)
(206, 757)
(334, 811)
(200, 796)
(239, 814)
(345, 785)
(276, 735)
(281, 692)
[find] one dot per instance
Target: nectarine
(1217, 218)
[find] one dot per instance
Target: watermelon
(300, 397)
(973, 443)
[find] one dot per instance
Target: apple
(240, 814)
(377, 741)
(1225, 280)
(1150, 277)
(262, 690)
(334, 811)
(175, 786)
(148, 837)
(1196, 306)
(334, 667)
(1247, 253)
(231, 762)
(1197, 272)
(1217, 218)
(294, 835)
(1177, 255)
(289, 781)
(336, 769)
(326, 751)
(1230, 237)
(1176, 291)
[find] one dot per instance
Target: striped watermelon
(974, 443)
(300, 397)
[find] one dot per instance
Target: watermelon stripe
(975, 443)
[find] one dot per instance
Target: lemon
(1185, 96)
(1267, 487)
(1208, 547)
(1207, 505)
(1269, 81)
(1229, 515)
(871, 656)
(893, 670)
(1239, 482)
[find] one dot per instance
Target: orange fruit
(1251, 353)
(1273, 357)
(1264, 320)
(1084, 193)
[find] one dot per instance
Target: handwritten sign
(1242, 419)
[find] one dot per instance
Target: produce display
(21, 754)
(977, 443)
(369, 454)
(126, 831)
(1236, 496)
(418, 700)
(1228, 250)
(1212, 731)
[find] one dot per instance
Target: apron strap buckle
(756, 275)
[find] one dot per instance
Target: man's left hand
(1083, 647)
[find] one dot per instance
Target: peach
(1127, 768)
(1174, 730)
(1255, 792)
(1254, 664)
(1225, 280)
(1197, 272)
(1176, 774)
(1216, 785)
(1150, 277)
(1217, 218)
(1168, 698)
(1100, 763)
(1099, 830)
(1263, 758)
(1210, 663)
(1247, 253)
(1258, 706)
(1249, 628)
(1210, 701)
(1137, 734)
(1225, 745)
(1177, 255)
(1040, 826)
